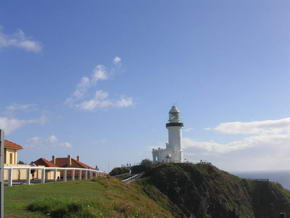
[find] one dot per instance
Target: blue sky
(221, 62)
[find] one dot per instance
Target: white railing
(131, 178)
(88, 173)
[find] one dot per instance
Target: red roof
(43, 162)
(12, 145)
(64, 162)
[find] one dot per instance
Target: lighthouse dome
(174, 109)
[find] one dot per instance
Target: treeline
(145, 166)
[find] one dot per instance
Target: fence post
(43, 176)
(65, 175)
(10, 177)
(73, 175)
(80, 174)
(86, 175)
(55, 173)
(28, 176)
(1, 173)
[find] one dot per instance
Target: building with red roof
(70, 162)
(42, 162)
(10, 152)
(11, 159)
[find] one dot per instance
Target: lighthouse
(173, 150)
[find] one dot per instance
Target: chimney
(53, 159)
(78, 158)
(69, 160)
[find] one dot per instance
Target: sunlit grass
(103, 197)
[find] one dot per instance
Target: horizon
(97, 79)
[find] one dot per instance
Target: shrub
(145, 166)
(118, 171)
(56, 208)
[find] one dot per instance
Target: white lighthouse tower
(173, 150)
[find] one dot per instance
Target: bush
(145, 166)
(137, 169)
(119, 170)
(56, 208)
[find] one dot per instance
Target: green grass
(104, 197)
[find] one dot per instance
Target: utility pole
(1, 173)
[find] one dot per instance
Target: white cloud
(99, 73)
(117, 60)
(79, 98)
(21, 107)
(101, 100)
(215, 147)
(255, 127)
(124, 102)
(50, 141)
(19, 40)
(9, 125)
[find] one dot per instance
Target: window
(11, 158)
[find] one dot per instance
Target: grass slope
(104, 197)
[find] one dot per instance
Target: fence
(48, 174)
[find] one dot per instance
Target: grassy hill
(104, 197)
(167, 190)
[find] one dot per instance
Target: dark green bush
(145, 166)
(119, 170)
(62, 209)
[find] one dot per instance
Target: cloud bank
(263, 144)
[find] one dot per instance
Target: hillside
(166, 190)
(202, 190)
(103, 197)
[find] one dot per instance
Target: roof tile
(12, 145)
(64, 162)
(44, 162)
